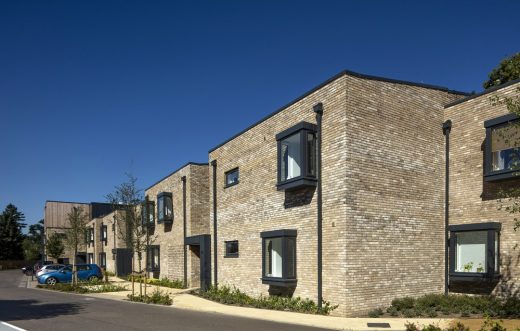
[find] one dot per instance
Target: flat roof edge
(175, 171)
(489, 90)
(328, 81)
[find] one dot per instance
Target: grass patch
(83, 288)
(157, 297)
(226, 295)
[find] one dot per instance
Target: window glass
(290, 162)
(156, 258)
(160, 208)
(273, 257)
(291, 257)
(168, 209)
(311, 152)
(232, 247)
(505, 143)
(471, 251)
(151, 215)
(232, 177)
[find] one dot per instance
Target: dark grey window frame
(493, 229)
(494, 123)
(147, 208)
(228, 254)
(164, 219)
(101, 260)
(226, 185)
(89, 255)
(305, 179)
(150, 258)
(103, 233)
(90, 236)
(283, 281)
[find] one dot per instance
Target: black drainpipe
(214, 165)
(446, 128)
(183, 179)
(318, 109)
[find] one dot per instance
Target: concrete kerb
(182, 299)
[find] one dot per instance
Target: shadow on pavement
(32, 309)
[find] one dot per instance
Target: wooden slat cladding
(56, 212)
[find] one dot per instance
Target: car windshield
(68, 268)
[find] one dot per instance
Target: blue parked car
(64, 275)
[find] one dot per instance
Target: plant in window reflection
(480, 268)
(468, 266)
(510, 199)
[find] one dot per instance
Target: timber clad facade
(249, 218)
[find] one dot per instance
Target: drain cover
(378, 325)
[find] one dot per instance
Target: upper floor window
(148, 212)
(164, 207)
(297, 156)
(89, 236)
(231, 177)
(474, 250)
(104, 233)
(502, 147)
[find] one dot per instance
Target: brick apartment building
(347, 194)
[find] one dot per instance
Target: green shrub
(411, 327)
(157, 297)
(431, 327)
(375, 313)
(83, 287)
(166, 282)
(431, 304)
(458, 327)
(234, 296)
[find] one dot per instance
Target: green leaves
(506, 71)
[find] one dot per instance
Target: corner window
(148, 213)
(279, 257)
(164, 207)
(474, 251)
(231, 177)
(502, 147)
(103, 230)
(231, 248)
(102, 260)
(152, 261)
(297, 156)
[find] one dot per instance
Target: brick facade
(382, 206)
(473, 200)
(170, 237)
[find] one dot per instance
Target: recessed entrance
(199, 253)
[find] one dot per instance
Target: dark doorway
(200, 250)
(123, 257)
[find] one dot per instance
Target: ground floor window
(102, 260)
(474, 250)
(90, 258)
(279, 257)
(152, 260)
(231, 248)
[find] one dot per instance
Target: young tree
(506, 71)
(55, 247)
(510, 198)
(75, 235)
(11, 237)
(33, 242)
(127, 200)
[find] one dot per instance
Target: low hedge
(83, 288)
(433, 305)
(234, 296)
(157, 297)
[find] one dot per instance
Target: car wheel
(51, 281)
(93, 278)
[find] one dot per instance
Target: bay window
(297, 156)
(164, 207)
(279, 257)
(474, 251)
(502, 147)
(152, 260)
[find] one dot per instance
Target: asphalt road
(35, 309)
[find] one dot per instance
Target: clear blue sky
(90, 90)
